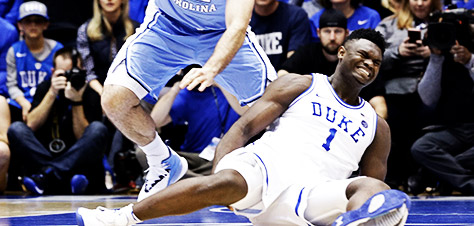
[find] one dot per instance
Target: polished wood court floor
(60, 210)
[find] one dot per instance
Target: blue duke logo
(205, 7)
(339, 120)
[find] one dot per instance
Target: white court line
(437, 224)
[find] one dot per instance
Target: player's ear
(341, 51)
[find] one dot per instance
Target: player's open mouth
(363, 71)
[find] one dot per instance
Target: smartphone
(414, 35)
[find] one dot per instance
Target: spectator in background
(321, 57)
(137, 10)
(99, 39)
(9, 10)
(378, 5)
(8, 37)
(392, 5)
(446, 150)
(310, 6)
(62, 145)
(208, 115)
(65, 17)
(403, 65)
(280, 29)
(29, 61)
(358, 16)
(467, 4)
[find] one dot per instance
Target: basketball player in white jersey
(298, 172)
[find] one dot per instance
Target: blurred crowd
(55, 55)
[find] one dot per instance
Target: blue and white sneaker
(386, 208)
(34, 184)
(158, 178)
(102, 216)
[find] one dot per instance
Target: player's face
(331, 38)
(361, 58)
(33, 26)
(420, 8)
(110, 6)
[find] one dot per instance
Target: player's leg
(344, 202)
(223, 188)
(121, 102)
(142, 67)
(371, 202)
(249, 72)
(4, 149)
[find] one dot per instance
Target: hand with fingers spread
(198, 76)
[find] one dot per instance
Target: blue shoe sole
(392, 199)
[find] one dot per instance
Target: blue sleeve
(11, 15)
(374, 20)
(300, 34)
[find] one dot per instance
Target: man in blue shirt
(358, 16)
(280, 29)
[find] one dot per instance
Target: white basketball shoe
(102, 216)
(386, 208)
(158, 178)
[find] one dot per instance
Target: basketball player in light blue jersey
(174, 34)
(298, 173)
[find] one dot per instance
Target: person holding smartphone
(403, 65)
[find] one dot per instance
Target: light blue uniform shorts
(162, 46)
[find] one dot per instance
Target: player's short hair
(369, 34)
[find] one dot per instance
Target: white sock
(132, 219)
(156, 151)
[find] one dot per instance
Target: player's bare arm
(238, 14)
(374, 161)
(269, 107)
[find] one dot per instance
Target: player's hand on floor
(197, 76)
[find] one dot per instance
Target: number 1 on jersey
(329, 139)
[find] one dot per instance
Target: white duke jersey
(199, 14)
(318, 138)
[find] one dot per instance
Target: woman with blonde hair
(403, 65)
(100, 38)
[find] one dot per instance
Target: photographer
(61, 147)
(402, 67)
(446, 149)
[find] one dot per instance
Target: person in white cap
(29, 61)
